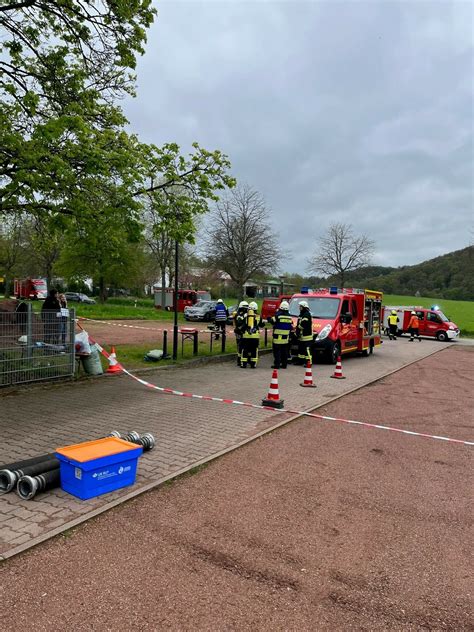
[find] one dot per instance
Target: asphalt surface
(317, 526)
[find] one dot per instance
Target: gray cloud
(359, 112)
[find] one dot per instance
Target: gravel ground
(318, 526)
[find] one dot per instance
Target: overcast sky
(360, 112)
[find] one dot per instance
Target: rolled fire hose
(146, 440)
(28, 486)
(9, 476)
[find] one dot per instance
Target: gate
(35, 347)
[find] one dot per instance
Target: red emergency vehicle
(345, 320)
(433, 322)
(30, 288)
(270, 305)
(185, 298)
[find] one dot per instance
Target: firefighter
(304, 334)
(414, 327)
(220, 318)
(250, 338)
(282, 325)
(392, 325)
(240, 319)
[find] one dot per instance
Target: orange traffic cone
(308, 376)
(338, 370)
(114, 365)
(273, 397)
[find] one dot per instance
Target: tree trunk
(341, 278)
(102, 290)
(7, 283)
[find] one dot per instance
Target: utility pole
(176, 288)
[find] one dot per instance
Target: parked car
(202, 310)
(78, 297)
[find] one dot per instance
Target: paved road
(34, 421)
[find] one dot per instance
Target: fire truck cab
(345, 320)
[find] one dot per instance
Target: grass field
(132, 356)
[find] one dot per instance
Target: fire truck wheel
(442, 336)
(334, 353)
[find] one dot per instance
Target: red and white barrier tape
(365, 424)
(107, 322)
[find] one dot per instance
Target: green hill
(450, 276)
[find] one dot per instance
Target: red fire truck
(185, 298)
(345, 320)
(30, 288)
(433, 322)
(270, 305)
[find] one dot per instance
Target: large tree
(239, 237)
(64, 150)
(340, 251)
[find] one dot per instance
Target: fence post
(266, 337)
(29, 332)
(223, 340)
(165, 344)
(71, 341)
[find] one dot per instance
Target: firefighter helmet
(219, 300)
(284, 305)
(243, 304)
(394, 312)
(413, 313)
(253, 305)
(304, 304)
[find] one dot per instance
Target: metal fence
(36, 347)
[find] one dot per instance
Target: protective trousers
(392, 332)
(238, 340)
(249, 352)
(304, 351)
(280, 355)
(415, 332)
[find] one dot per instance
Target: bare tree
(239, 237)
(340, 251)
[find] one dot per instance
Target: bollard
(165, 344)
(266, 336)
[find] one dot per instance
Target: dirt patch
(318, 526)
(127, 332)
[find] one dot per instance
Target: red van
(433, 323)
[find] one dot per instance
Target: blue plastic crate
(87, 479)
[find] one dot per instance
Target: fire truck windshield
(325, 308)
